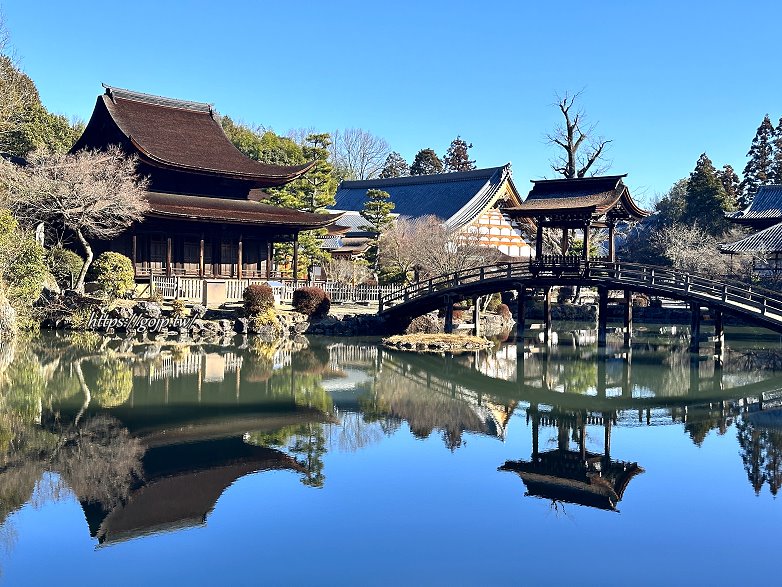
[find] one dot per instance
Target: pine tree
(758, 170)
(426, 162)
(377, 210)
(395, 166)
(731, 185)
(457, 157)
(707, 201)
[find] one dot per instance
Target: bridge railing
(747, 298)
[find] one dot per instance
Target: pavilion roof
(764, 210)
(176, 134)
(209, 209)
(768, 240)
(585, 197)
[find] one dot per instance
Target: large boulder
(148, 309)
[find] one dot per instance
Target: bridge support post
(601, 376)
(476, 314)
(695, 327)
(628, 322)
(521, 309)
(602, 315)
(719, 335)
(448, 328)
(547, 315)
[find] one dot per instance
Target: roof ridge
(452, 176)
(125, 94)
(585, 179)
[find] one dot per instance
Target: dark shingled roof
(768, 240)
(765, 209)
(181, 135)
(455, 197)
(587, 195)
(229, 210)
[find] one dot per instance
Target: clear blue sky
(665, 80)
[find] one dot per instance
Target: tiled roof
(455, 197)
(768, 240)
(228, 210)
(766, 207)
(179, 134)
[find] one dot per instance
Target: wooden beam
(168, 257)
(602, 315)
(133, 258)
(565, 244)
(448, 327)
(201, 267)
(269, 257)
(476, 305)
(628, 318)
(719, 335)
(611, 244)
(587, 230)
(239, 258)
(521, 308)
(695, 327)
(539, 242)
(547, 315)
(296, 261)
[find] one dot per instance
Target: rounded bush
(257, 299)
(113, 272)
(494, 302)
(178, 309)
(64, 265)
(311, 301)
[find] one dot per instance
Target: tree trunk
(87, 261)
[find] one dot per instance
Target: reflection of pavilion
(573, 476)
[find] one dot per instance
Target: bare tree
(96, 195)
(347, 271)
(583, 150)
(358, 153)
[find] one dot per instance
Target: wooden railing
(741, 299)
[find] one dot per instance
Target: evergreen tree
(426, 162)
(670, 209)
(758, 170)
(377, 212)
(457, 157)
(395, 166)
(776, 165)
(731, 185)
(319, 183)
(707, 201)
(261, 144)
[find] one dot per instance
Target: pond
(339, 462)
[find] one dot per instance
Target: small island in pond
(436, 343)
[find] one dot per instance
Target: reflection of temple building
(573, 476)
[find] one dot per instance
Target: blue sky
(666, 81)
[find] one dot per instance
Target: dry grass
(437, 342)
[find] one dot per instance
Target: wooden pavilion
(207, 217)
(584, 204)
(764, 215)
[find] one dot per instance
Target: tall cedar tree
(707, 201)
(426, 162)
(457, 158)
(776, 165)
(759, 168)
(731, 184)
(377, 212)
(395, 166)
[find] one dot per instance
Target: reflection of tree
(309, 446)
(761, 453)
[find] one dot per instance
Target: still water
(339, 462)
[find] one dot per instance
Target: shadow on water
(148, 436)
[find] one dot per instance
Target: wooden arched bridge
(746, 302)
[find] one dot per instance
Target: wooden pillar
(695, 327)
(627, 371)
(602, 315)
(547, 315)
(521, 308)
(565, 244)
(611, 244)
(539, 240)
(296, 261)
(628, 321)
(269, 259)
(587, 230)
(535, 433)
(201, 266)
(448, 328)
(607, 440)
(476, 305)
(168, 257)
(719, 335)
(134, 254)
(239, 258)
(601, 376)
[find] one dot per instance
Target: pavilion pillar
(239, 258)
(628, 317)
(296, 261)
(521, 307)
(607, 426)
(535, 433)
(611, 244)
(448, 327)
(168, 257)
(695, 327)
(565, 244)
(587, 230)
(539, 241)
(627, 372)
(476, 305)
(134, 253)
(719, 335)
(201, 267)
(547, 315)
(269, 257)
(602, 315)
(601, 376)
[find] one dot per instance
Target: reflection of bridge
(546, 272)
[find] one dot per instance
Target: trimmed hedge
(311, 301)
(113, 272)
(257, 299)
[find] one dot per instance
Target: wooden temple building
(572, 205)
(206, 217)
(763, 215)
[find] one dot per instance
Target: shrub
(113, 272)
(311, 301)
(459, 315)
(64, 265)
(257, 299)
(494, 302)
(264, 319)
(178, 309)
(504, 311)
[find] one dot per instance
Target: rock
(121, 313)
(198, 311)
(147, 309)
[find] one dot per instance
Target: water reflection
(149, 436)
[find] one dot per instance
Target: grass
(436, 342)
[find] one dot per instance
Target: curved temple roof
(764, 210)
(179, 134)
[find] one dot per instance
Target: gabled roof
(594, 196)
(210, 209)
(455, 197)
(765, 209)
(768, 240)
(176, 134)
